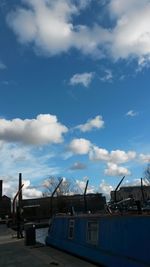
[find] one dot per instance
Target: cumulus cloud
(83, 78)
(80, 146)
(115, 170)
(30, 192)
(49, 26)
(96, 122)
(115, 156)
(44, 23)
(78, 166)
(131, 34)
(98, 154)
(42, 130)
(145, 158)
(118, 7)
(120, 156)
(131, 113)
(112, 158)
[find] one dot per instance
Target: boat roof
(100, 215)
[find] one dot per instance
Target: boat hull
(122, 241)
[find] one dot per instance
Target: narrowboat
(112, 240)
(118, 236)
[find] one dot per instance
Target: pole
(14, 202)
(51, 204)
(20, 191)
(85, 200)
(142, 190)
(115, 192)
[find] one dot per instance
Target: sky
(74, 93)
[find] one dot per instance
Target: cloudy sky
(74, 92)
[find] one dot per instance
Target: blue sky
(74, 85)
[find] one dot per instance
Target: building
(5, 203)
(135, 192)
(43, 207)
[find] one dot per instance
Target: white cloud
(115, 170)
(105, 188)
(120, 7)
(28, 192)
(42, 130)
(131, 113)
(10, 188)
(96, 122)
(47, 24)
(50, 27)
(145, 158)
(120, 156)
(115, 156)
(83, 78)
(132, 32)
(80, 146)
(98, 154)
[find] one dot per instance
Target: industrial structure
(137, 193)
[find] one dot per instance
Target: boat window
(71, 229)
(92, 232)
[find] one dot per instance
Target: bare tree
(51, 183)
(67, 187)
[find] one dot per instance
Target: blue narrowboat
(112, 240)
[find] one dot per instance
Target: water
(41, 234)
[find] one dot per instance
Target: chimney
(1, 188)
